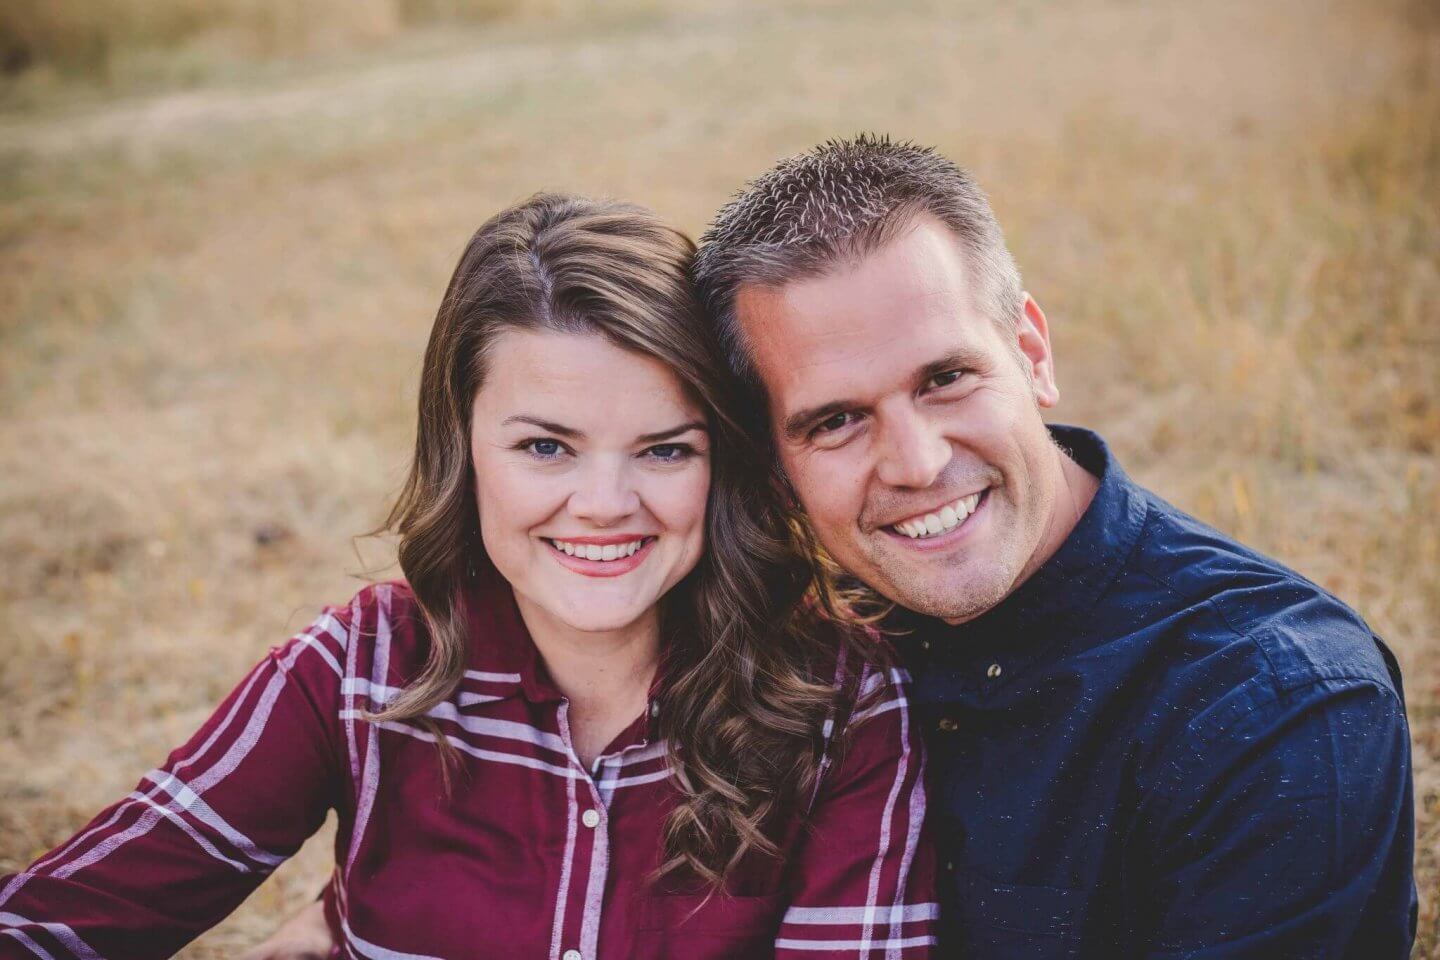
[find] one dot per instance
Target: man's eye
(834, 422)
(946, 378)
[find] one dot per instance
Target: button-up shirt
(529, 854)
(1165, 745)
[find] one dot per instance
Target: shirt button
(571, 955)
(924, 644)
(591, 819)
(994, 671)
(948, 725)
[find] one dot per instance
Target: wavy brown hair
(751, 637)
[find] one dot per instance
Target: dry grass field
(215, 290)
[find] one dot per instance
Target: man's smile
(923, 526)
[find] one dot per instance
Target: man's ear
(1033, 339)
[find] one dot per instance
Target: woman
(596, 719)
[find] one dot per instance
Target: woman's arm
(199, 833)
(863, 881)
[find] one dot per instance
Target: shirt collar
(500, 647)
(1018, 630)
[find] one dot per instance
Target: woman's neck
(605, 675)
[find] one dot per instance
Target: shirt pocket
(692, 927)
(1013, 920)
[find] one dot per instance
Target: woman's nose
(606, 494)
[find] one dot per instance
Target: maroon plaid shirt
(531, 855)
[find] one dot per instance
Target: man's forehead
(822, 337)
(825, 308)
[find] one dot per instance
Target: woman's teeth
(590, 551)
(946, 518)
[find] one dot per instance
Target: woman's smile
(613, 555)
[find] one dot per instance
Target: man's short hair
(833, 205)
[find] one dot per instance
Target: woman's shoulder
(378, 604)
(854, 653)
(380, 630)
(869, 731)
(383, 631)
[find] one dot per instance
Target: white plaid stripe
(68, 938)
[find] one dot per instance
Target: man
(1146, 739)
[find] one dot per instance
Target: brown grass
(213, 301)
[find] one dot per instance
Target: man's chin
(948, 600)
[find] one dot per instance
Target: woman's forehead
(584, 381)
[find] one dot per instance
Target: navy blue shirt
(1164, 744)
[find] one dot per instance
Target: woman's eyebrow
(673, 432)
(546, 425)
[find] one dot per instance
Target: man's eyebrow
(962, 358)
(673, 432)
(797, 424)
(546, 425)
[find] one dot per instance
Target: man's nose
(913, 452)
(606, 494)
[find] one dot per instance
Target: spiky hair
(835, 204)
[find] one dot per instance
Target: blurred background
(225, 226)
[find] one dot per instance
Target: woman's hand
(304, 936)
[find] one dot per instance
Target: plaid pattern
(530, 855)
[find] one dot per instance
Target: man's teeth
(946, 518)
(590, 551)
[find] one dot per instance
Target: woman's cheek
(511, 503)
(698, 495)
(696, 503)
(679, 501)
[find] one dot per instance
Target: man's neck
(1075, 488)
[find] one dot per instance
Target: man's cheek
(837, 504)
(806, 482)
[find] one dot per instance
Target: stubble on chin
(930, 592)
(949, 603)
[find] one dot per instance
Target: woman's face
(592, 466)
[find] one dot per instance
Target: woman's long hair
(749, 645)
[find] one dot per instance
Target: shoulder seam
(1287, 693)
(1165, 796)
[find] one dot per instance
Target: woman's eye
(669, 452)
(544, 449)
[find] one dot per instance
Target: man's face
(908, 422)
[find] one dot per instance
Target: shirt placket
(609, 766)
(587, 859)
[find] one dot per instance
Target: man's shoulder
(1236, 614)
(1243, 657)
